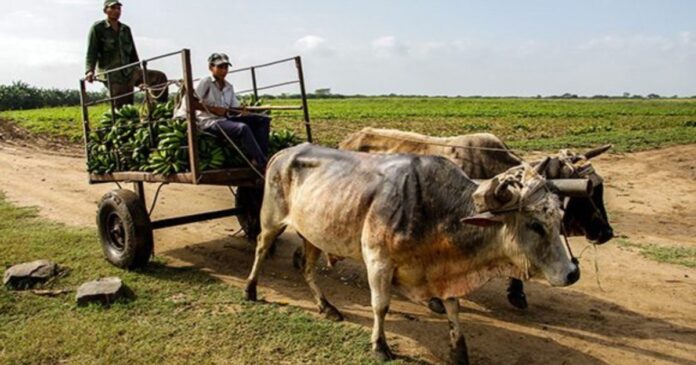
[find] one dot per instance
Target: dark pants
(154, 78)
(251, 131)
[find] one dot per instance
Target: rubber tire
(249, 199)
(136, 236)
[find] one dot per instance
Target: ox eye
(537, 227)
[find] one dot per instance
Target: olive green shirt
(108, 49)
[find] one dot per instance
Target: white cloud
(687, 39)
(20, 21)
(613, 42)
(73, 2)
(36, 52)
(313, 44)
(389, 46)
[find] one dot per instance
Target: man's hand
(89, 77)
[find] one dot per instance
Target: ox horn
(541, 167)
(597, 151)
(576, 188)
(502, 193)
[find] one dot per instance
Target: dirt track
(645, 314)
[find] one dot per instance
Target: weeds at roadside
(685, 256)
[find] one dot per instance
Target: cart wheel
(124, 228)
(249, 200)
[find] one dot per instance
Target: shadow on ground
(553, 313)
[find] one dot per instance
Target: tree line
(20, 95)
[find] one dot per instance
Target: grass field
(179, 316)
(526, 124)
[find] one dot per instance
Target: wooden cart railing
(239, 177)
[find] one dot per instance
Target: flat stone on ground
(29, 274)
(104, 291)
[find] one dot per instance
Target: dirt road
(646, 312)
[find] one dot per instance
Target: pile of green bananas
(124, 143)
(110, 144)
(282, 139)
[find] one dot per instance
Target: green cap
(109, 3)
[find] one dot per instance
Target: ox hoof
(517, 299)
(381, 352)
(436, 306)
(459, 355)
(250, 292)
(330, 312)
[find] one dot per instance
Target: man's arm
(134, 55)
(197, 105)
(91, 59)
(199, 96)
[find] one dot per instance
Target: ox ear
(483, 219)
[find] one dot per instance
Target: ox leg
(263, 245)
(515, 294)
(379, 274)
(459, 353)
(311, 254)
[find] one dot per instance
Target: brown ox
(482, 156)
(417, 222)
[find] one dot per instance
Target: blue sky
(374, 47)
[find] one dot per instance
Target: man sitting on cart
(219, 112)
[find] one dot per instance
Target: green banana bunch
(171, 155)
(139, 146)
(281, 139)
(168, 161)
(211, 154)
(163, 111)
(109, 144)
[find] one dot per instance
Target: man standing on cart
(219, 112)
(110, 46)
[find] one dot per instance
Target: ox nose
(573, 276)
(605, 236)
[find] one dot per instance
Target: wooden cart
(123, 221)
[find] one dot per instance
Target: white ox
(417, 222)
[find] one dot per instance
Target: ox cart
(123, 220)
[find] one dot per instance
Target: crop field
(526, 124)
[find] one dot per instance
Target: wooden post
(308, 127)
(140, 191)
(190, 115)
(85, 121)
(253, 81)
(148, 102)
(111, 97)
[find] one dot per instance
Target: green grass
(527, 124)
(685, 256)
(180, 315)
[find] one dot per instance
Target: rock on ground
(27, 275)
(104, 291)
